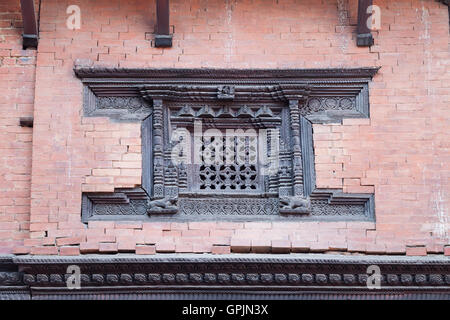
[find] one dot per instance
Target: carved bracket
(295, 205)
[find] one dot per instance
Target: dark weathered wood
(364, 35)
(216, 75)
(26, 122)
(163, 38)
(30, 27)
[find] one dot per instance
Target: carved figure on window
(166, 205)
(295, 205)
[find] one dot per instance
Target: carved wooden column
(165, 178)
(296, 149)
(272, 152)
(158, 150)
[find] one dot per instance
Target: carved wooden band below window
(218, 276)
(227, 144)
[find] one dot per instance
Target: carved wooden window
(225, 147)
(227, 144)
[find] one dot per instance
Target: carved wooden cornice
(276, 75)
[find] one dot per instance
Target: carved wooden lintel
(210, 92)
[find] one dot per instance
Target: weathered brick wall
(17, 74)
(401, 153)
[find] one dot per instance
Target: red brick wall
(401, 153)
(17, 75)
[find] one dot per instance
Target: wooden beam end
(26, 122)
(29, 41)
(163, 41)
(364, 40)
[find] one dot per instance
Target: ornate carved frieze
(227, 143)
(124, 203)
(294, 274)
(229, 207)
(115, 107)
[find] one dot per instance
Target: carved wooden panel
(227, 144)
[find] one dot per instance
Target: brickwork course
(401, 154)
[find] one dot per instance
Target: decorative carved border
(187, 276)
(315, 96)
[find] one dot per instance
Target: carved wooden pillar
(158, 150)
(272, 152)
(170, 176)
(297, 175)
